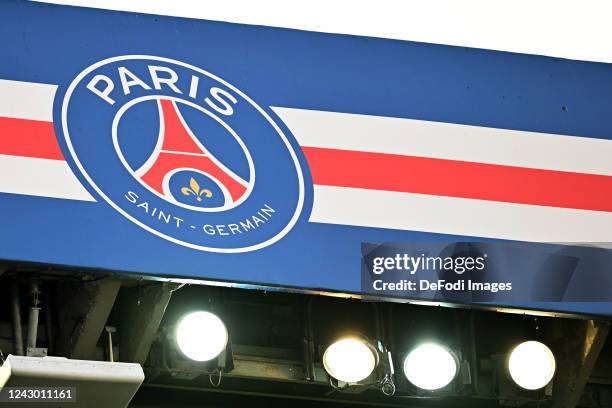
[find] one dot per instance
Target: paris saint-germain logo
(182, 153)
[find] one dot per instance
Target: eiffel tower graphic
(178, 149)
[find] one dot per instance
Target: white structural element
(430, 366)
(92, 384)
(350, 360)
(201, 336)
(531, 365)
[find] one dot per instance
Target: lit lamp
(531, 365)
(350, 359)
(201, 336)
(431, 366)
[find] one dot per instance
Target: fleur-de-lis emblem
(194, 189)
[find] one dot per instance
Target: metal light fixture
(431, 366)
(201, 336)
(531, 365)
(350, 359)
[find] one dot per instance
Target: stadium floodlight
(531, 365)
(431, 366)
(350, 359)
(201, 336)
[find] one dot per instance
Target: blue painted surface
(278, 67)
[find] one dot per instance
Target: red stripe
(29, 138)
(378, 171)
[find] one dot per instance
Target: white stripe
(26, 100)
(40, 177)
(183, 153)
(458, 216)
(367, 133)
(448, 141)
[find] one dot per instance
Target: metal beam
(142, 309)
(17, 327)
(580, 343)
(83, 313)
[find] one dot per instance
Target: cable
(219, 372)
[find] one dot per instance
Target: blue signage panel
(195, 149)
